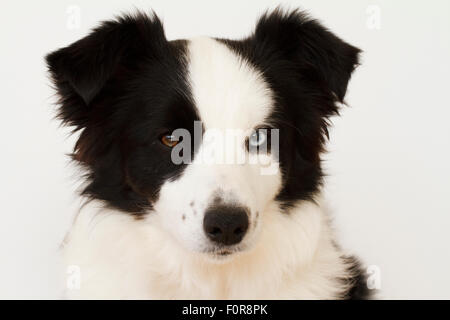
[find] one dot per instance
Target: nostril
(238, 231)
(215, 231)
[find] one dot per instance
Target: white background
(389, 152)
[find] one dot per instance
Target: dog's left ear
(315, 51)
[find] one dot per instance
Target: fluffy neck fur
(124, 258)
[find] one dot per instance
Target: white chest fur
(120, 257)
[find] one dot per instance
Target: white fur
(229, 93)
(282, 256)
(121, 257)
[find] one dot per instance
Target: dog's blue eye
(257, 138)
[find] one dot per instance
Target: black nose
(225, 224)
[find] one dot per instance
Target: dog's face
(262, 103)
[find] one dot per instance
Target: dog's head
(152, 113)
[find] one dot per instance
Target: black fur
(123, 86)
(308, 68)
(358, 289)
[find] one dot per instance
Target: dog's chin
(222, 255)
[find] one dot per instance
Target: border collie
(154, 227)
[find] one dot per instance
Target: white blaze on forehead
(228, 92)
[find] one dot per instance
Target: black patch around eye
(119, 142)
(150, 164)
(308, 68)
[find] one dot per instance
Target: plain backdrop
(388, 160)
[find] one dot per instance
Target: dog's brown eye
(169, 140)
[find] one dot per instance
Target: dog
(154, 227)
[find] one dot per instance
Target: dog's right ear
(81, 70)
